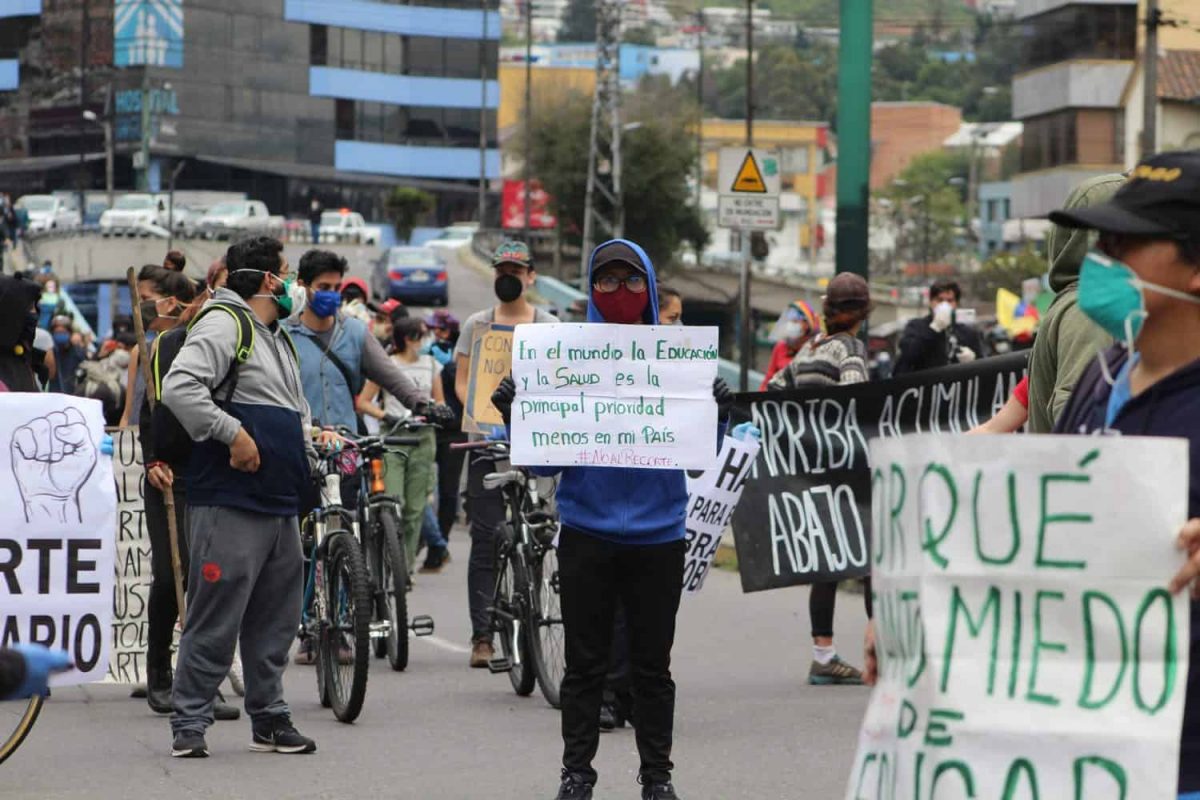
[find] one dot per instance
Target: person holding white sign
(622, 536)
(1143, 289)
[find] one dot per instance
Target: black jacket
(12, 672)
(1170, 407)
(922, 348)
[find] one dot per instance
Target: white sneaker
(236, 679)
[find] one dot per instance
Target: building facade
(282, 99)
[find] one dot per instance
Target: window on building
(318, 45)
(393, 54)
(345, 113)
(352, 49)
(1071, 136)
(372, 55)
(1079, 31)
(426, 55)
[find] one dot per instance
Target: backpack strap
(243, 348)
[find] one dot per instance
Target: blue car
(412, 275)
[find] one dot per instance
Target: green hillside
(824, 13)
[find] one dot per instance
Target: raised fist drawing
(52, 458)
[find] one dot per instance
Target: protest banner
(712, 496)
(1028, 646)
(614, 396)
(491, 360)
(804, 516)
(56, 536)
(133, 574)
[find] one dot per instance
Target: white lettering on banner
(1027, 644)
(56, 545)
(133, 572)
(614, 396)
(712, 497)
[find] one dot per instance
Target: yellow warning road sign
(749, 177)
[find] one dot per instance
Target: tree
(406, 207)
(927, 205)
(659, 210)
(1008, 271)
(579, 22)
(641, 35)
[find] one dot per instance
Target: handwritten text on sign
(614, 396)
(712, 496)
(133, 574)
(491, 360)
(1028, 646)
(56, 533)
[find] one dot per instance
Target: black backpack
(171, 442)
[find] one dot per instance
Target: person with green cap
(1067, 341)
(512, 264)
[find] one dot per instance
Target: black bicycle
(526, 615)
(379, 523)
(17, 718)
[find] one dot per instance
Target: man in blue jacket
(622, 536)
(1143, 289)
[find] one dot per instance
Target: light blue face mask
(1112, 296)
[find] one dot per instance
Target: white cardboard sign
(602, 395)
(1028, 645)
(712, 496)
(132, 572)
(56, 531)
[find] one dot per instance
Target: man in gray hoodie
(248, 469)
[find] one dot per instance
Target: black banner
(805, 512)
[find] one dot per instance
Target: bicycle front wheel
(346, 646)
(509, 617)
(394, 583)
(547, 647)
(17, 718)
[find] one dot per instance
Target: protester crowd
(1118, 351)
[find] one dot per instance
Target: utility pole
(745, 312)
(171, 205)
(528, 167)
(854, 135)
(700, 116)
(144, 146)
(483, 93)
(1150, 85)
(84, 36)
(603, 203)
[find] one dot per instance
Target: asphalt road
(747, 724)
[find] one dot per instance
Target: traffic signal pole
(854, 135)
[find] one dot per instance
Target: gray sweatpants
(245, 575)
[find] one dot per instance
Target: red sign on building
(512, 207)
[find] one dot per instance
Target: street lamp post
(171, 205)
(105, 123)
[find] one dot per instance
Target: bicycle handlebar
(480, 445)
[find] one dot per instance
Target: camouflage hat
(513, 252)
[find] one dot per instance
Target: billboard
(148, 32)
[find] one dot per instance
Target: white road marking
(444, 644)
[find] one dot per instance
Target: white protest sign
(132, 570)
(712, 496)
(56, 531)
(614, 396)
(1028, 645)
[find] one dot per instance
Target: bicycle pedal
(422, 625)
(380, 629)
(500, 664)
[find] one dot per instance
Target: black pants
(485, 510)
(620, 673)
(449, 472)
(822, 599)
(593, 574)
(164, 608)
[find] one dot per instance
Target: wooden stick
(169, 492)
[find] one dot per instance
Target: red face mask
(622, 306)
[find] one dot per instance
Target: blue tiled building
(282, 99)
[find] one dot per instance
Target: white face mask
(793, 330)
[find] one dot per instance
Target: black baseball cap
(1160, 199)
(617, 252)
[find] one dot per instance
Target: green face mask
(283, 299)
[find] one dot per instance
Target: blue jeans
(431, 534)
(1190, 796)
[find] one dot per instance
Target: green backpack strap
(245, 341)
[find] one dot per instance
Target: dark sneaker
(611, 717)
(836, 672)
(481, 653)
(657, 790)
(573, 787)
(158, 689)
(306, 655)
(189, 744)
(278, 735)
(223, 712)
(434, 561)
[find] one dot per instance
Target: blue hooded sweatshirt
(1170, 407)
(626, 505)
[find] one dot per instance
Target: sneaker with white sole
(835, 673)
(278, 735)
(189, 744)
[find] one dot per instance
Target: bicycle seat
(494, 480)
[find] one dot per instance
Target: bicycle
(337, 597)
(379, 524)
(17, 718)
(526, 615)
